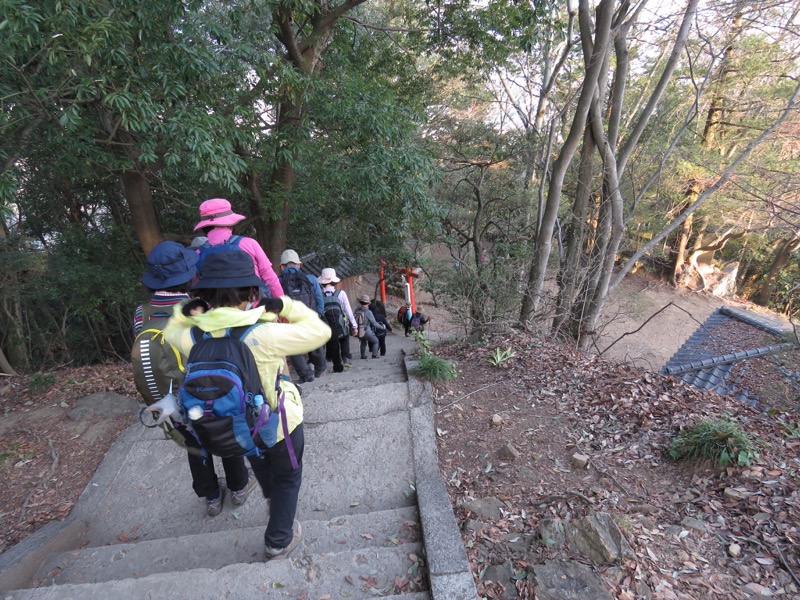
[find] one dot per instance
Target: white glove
(160, 411)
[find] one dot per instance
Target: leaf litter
(695, 530)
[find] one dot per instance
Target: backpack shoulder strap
(197, 334)
(239, 333)
(234, 240)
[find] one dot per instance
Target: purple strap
(289, 445)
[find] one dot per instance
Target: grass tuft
(722, 441)
(433, 368)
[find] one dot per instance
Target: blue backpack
(222, 398)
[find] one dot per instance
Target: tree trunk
(713, 132)
(143, 212)
(684, 234)
(5, 366)
(12, 321)
(689, 267)
(534, 295)
(570, 274)
(768, 284)
(680, 249)
(304, 54)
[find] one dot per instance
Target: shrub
(433, 368)
(722, 441)
(429, 366)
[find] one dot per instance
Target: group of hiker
(210, 358)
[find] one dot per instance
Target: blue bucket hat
(228, 269)
(169, 264)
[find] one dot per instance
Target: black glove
(193, 304)
(272, 304)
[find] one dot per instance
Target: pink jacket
(262, 263)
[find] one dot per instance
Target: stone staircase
(144, 533)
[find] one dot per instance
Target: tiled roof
(345, 264)
(698, 365)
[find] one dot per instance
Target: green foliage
(74, 298)
(721, 441)
(433, 368)
(41, 382)
(499, 358)
(429, 366)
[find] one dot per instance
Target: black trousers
(308, 366)
(280, 484)
(204, 477)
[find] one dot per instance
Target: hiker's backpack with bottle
(222, 398)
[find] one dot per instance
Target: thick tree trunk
(768, 284)
(276, 227)
(691, 261)
(12, 321)
(304, 54)
(143, 212)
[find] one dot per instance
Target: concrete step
(328, 405)
(350, 467)
(362, 573)
(358, 465)
(216, 550)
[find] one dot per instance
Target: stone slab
(222, 548)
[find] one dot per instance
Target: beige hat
(328, 276)
(290, 256)
(364, 298)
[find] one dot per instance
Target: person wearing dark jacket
(366, 332)
(380, 334)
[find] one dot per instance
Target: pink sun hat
(216, 212)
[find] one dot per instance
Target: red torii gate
(408, 273)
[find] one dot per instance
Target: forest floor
(508, 436)
(510, 433)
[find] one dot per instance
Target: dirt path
(656, 339)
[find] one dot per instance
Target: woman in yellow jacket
(229, 285)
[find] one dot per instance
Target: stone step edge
(351, 533)
(350, 571)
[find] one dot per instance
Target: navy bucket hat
(228, 269)
(169, 264)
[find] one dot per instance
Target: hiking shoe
(214, 507)
(363, 357)
(271, 553)
(239, 497)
